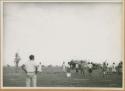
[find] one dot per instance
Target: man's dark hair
(31, 57)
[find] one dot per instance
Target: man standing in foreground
(30, 69)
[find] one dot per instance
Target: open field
(54, 77)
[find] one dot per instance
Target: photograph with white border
(62, 44)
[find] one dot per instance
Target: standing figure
(113, 68)
(108, 75)
(68, 74)
(107, 70)
(31, 70)
(119, 68)
(90, 69)
(82, 68)
(85, 70)
(63, 67)
(104, 70)
(40, 67)
(16, 61)
(77, 67)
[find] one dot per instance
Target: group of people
(86, 68)
(83, 68)
(111, 69)
(31, 69)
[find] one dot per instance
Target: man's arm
(23, 68)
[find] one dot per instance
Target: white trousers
(31, 79)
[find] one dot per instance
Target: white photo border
(75, 88)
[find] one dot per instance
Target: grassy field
(54, 77)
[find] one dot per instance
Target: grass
(55, 77)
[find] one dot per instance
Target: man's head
(31, 57)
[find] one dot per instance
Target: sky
(57, 32)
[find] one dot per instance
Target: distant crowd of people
(31, 68)
(85, 68)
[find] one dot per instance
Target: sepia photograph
(62, 44)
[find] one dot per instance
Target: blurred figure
(31, 70)
(63, 67)
(90, 69)
(85, 70)
(104, 69)
(113, 68)
(16, 61)
(40, 67)
(107, 68)
(108, 72)
(82, 68)
(68, 74)
(77, 67)
(120, 68)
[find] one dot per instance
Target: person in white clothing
(63, 67)
(86, 69)
(90, 69)
(30, 69)
(68, 73)
(40, 67)
(77, 67)
(113, 68)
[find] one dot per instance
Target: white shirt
(90, 66)
(109, 66)
(40, 68)
(30, 66)
(77, 66)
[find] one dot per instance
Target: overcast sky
(57, 32)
